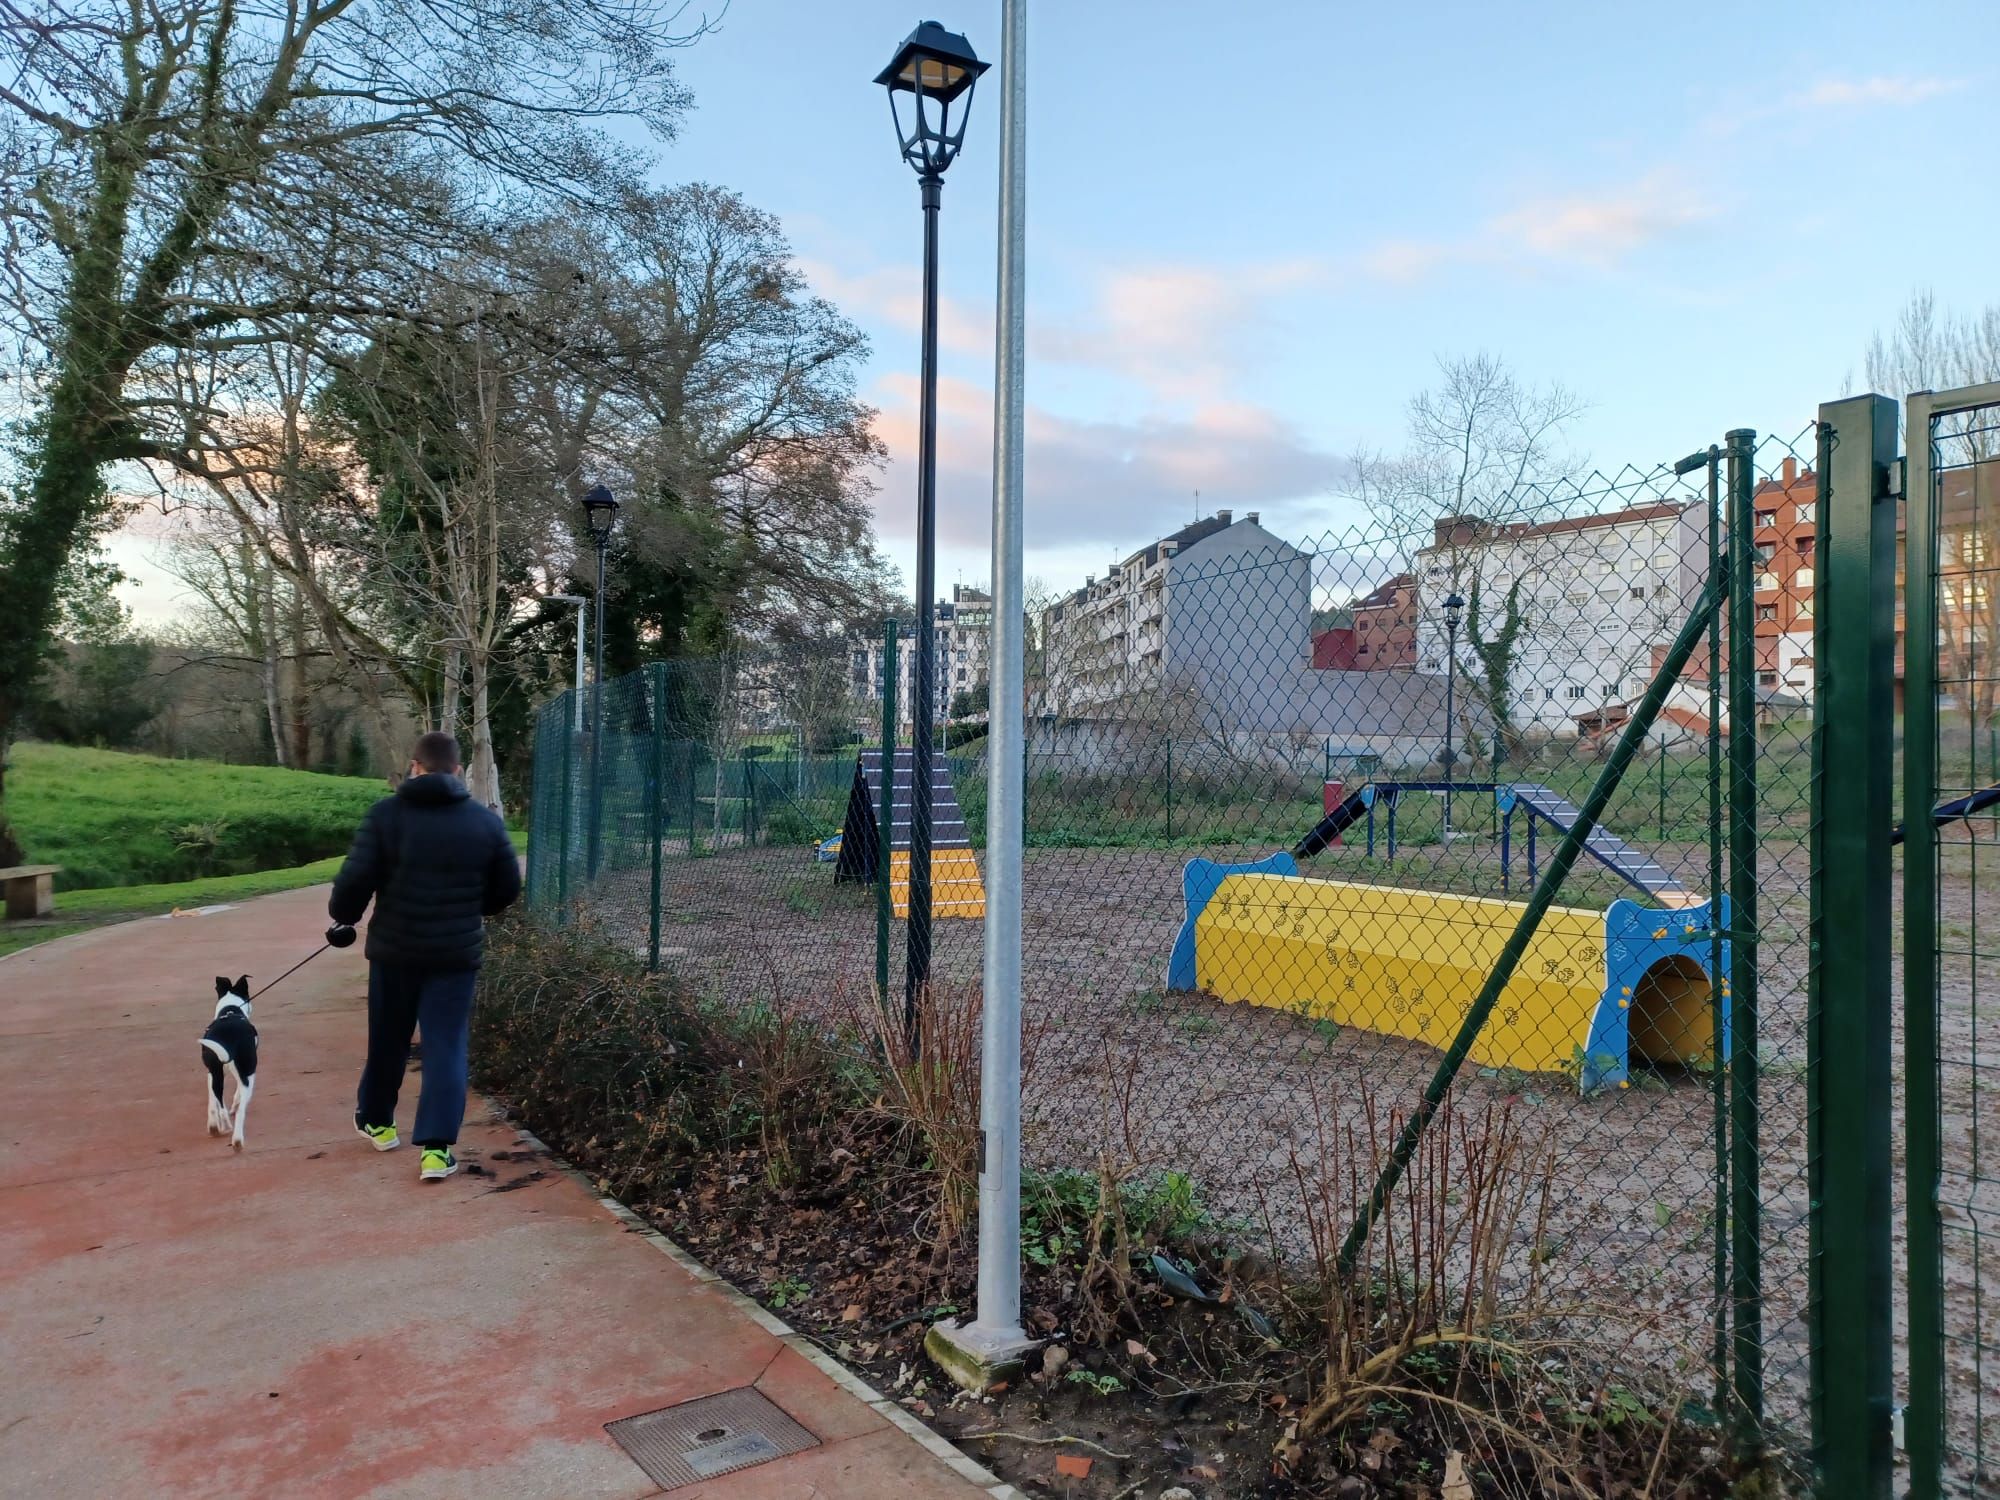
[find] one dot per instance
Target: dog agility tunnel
(1594, 992)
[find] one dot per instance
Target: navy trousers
(400, 1000)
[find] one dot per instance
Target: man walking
(437, 864)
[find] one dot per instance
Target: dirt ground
(1246, 1099)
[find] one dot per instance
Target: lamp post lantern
(1454, 606)
(600, 514)
(933, 72)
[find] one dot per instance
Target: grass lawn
(77, 911)
(113, 819)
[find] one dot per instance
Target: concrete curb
(808, 1349)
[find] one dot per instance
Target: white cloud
(1595, 228)
(1842, 93)
(1182, 331)
(1114, 485)
(894, 294)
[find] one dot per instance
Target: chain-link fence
(1309, 820)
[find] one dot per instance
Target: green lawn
(77, 911)
(113, 819)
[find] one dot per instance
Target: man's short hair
(437, 751)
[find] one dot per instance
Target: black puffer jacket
(437, 864)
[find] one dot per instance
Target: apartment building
(1375, 632)
(1219, 591)
(1595, 594)
(963, 655)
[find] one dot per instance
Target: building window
(1767, 679)
(1638, 592)
(1804, 545)
(1547, 693)
(1575, 691)
(1805, 512)
(1766, 613)
(1767, 518)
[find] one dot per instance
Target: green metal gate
(1951, 925)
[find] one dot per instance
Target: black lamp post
(936, 69)
(1454, 606)
(600, 514)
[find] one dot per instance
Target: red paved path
(305, 1319)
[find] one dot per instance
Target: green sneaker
(438, 1164)
(382, 1137)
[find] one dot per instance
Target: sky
(1253, 232)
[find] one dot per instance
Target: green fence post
(1847, 986)
(1170, 787)
(656, 795)
(570, 748)
(749, 801)
(1546, 889)
(1745, 1218)
(1718, 1009)
(1663, 788)
(884, 902)
(1923, 1145)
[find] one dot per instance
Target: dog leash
(347, 932)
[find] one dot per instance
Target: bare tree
(1929, 349)
(1483, 447)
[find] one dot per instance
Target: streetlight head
(1454, 605)
(937, 69)
(600, 511)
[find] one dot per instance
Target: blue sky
(1252, 231)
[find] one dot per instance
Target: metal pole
(656, 792)
(1450, 687)
(1848, 993)
(996, 1330)
(1663, 788)
(596, 835)
(1923, 1422)
(885, 818)
(1718, 989)
(1170, 787)
(917, 962)
(1546, 890)
(581, 632)
(1745, 1219)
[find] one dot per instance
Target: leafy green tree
(182, 181)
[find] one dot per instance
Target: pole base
(978, 1358)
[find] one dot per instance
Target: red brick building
(1382, 634)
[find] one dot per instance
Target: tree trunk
(301, 684)
(485, 771)
(454, 691)
(263, 618)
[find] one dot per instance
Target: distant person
(437, 864)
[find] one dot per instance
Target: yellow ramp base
(1409, 963)
(956, 890)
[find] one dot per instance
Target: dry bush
(930, 1089)
(1446, 1323)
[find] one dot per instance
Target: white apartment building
(1598, 594)
(1109, 641)
(963, 655)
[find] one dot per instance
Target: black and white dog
(230, 1043)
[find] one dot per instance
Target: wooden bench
(30, 889)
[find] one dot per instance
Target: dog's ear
(243, 986)
(221, 985)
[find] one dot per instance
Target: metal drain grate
(711, 1435)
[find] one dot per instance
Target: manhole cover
(711, 1435)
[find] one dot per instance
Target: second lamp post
(1454, 606)
(600, 511)
(936, 70)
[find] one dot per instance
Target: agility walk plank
(1593, 991)
(956, 887)
(1632, 865)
